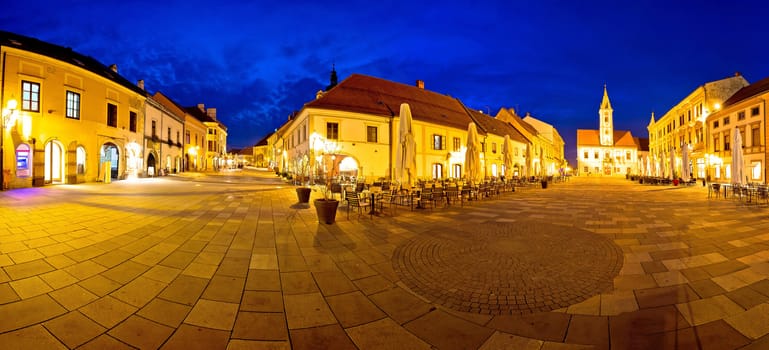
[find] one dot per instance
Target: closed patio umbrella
(507, 149)
(672, 163)
(473, 154)
(406, 157)
(738, 165)
(685, 163)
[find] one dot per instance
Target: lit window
(438, 142)
(457, 144)
(73, 105)
(493, 147)
(80, 160)
(30, 96)
(755, 168)
(437, 170)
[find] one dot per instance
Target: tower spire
(606, 113)
(333, 79)
(605, 104)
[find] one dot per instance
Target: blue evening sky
(256, 61)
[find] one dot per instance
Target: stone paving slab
(229, 261)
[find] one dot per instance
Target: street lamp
(6, 122)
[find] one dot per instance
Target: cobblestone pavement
(232, 262)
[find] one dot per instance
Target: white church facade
(606, 151)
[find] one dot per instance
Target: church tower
(607, 122)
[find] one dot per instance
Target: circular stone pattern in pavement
(508, 268)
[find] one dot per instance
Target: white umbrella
(660, 166)
(507, 149)
(685, 163)
(648, 167)
(738, 169)
(473, 154)
(672, 163)
(406, 155)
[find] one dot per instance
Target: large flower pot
(326, 209)
(303, 194)
(544, 183)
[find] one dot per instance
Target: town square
(233, 261)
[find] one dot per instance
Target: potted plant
(326, 206)
(303, 191)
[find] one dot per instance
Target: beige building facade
(683, 128)
(163, 148)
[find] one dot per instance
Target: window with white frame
(73, 105)
(437, 170)
(30, 96)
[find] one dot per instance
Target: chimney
(319, 94)
(140, 84)
(113, 67)
(202, 107)
(211, 112)
(421, 84)
(737, 74)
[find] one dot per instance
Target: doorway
(54, 163)
(109, 153)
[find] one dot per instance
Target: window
(754, 111)
(457, 144)
(177, 137)
(168, 135)
(726, 142)
(715, 144)
(493, 147)
(80, 160)
(595, 155)
(438, 142)
(73, 105)
(437, 170)
(132, 121)
(154, 129)
(371, 134)
(30, 96)
(740, 116)
(112, 115)
(715, 124)
(585, 155)
(755, 170)
(726, 120)
(332, 131)
(586, 170)
(187, 136)
(756, 137)
(457, 169)
(627, 155)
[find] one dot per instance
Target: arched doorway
(111, 154)
(348, 168)
(151, 166)
(54, 162)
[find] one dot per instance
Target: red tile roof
(748, 92)
(488, 124)
(370, 95)
(622, 138)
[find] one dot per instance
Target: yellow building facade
(351, 132)
(683, 128)
(743, 112)
(66, 117)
